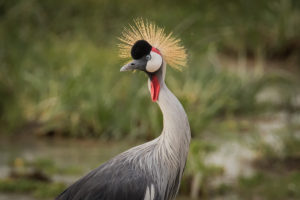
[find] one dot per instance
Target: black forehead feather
(140, 49)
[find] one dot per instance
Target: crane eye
(148, 57)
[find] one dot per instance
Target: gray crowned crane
(151, 171)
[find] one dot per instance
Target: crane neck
(172, 146)
(176, 129)
(176, 134)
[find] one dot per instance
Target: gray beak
(135, 64)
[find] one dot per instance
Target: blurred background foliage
(59, 70)
(59, 63)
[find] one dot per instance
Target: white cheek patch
(154, 63)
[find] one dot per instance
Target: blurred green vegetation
(60, 69)
(59, 75)
(270, 186)
(35, 188)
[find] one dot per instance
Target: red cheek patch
(155, 50)
(155, 87)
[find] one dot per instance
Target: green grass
(275, 187)
(59, 73)
(49, 167)
(35, 188)
(59, 64)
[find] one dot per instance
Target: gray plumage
(151, 171)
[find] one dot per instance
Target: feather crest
(172, 51)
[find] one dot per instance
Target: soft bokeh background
(65, 108)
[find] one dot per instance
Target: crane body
(151, 171)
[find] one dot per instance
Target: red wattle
(155, 87)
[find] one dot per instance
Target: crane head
(151, 50)
(145, 58)
(148, 59)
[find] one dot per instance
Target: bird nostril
(132, 63)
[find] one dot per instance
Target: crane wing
(114, 180)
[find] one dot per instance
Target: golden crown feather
(172, 51)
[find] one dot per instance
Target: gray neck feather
(175, 137)
(164, 158)
(173, 144)
(176, 131)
